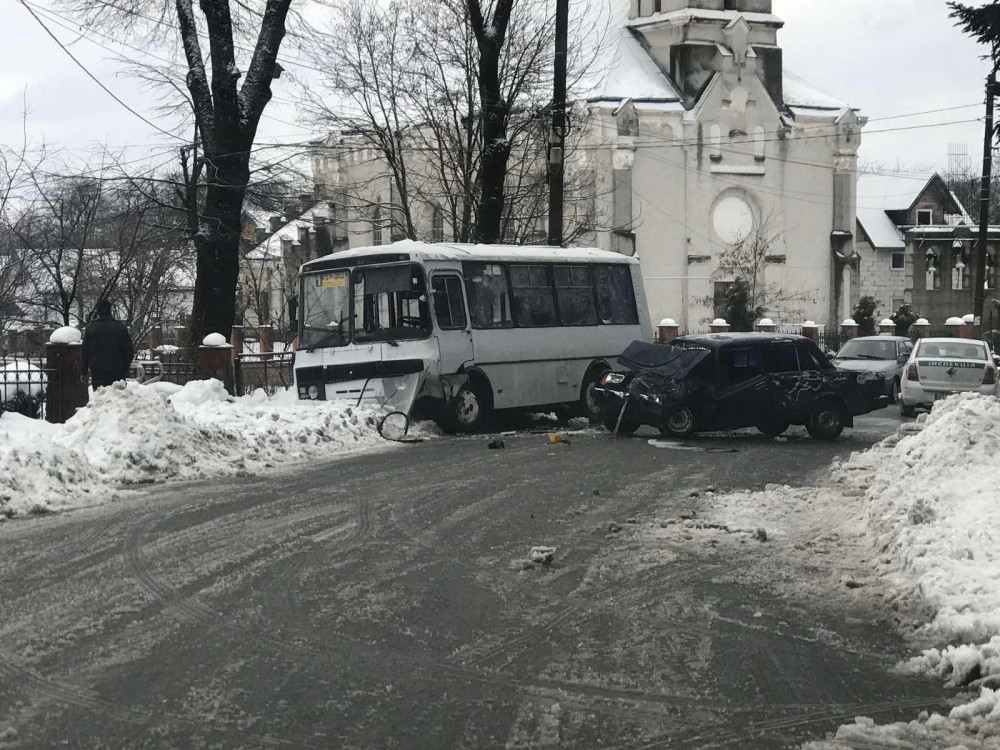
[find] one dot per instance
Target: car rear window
(951, 350)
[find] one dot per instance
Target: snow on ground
(918, 519)
(132, 435)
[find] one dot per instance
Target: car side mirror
(902, 359)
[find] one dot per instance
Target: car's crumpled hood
(672, 361)
(866, 365)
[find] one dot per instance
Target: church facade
(713, 161)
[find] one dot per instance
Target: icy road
(385, 601)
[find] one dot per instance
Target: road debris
(496, 445)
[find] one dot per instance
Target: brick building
(917, 246)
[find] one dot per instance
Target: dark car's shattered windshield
(669, 361)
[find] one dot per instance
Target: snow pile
(934, 503)
(136, 434)
(933, 512)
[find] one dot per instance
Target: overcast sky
(886, 57)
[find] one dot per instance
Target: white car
(938, 368)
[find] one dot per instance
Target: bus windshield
(326, 310)
(390, 303)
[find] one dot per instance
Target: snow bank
(133, 434)
(933, 512)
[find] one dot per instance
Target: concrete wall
(880, 280)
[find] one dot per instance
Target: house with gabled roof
(701, 139)
(917, 244)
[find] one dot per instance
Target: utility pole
(557, 133)
(979, 277)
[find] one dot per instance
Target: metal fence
(24, 382)
(270, 372)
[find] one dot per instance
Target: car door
(743, 393)
(451, 321)
(783, 372)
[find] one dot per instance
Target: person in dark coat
(107, 347)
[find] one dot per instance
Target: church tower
(691, 40)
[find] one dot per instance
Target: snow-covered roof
(891, 192)
(799, 93)
(462, 252)
(880, 229)
(270, 248)
(686, 15)
(627, 70)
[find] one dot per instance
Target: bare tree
(747, 259)
(227, 115)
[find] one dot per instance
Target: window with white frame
(925, 217)
(437, 226)
(959, 270)
(898, 261)
(377, 226)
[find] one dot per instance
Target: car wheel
(620, 424)
(469, 409)
(906, 411)
(588, 405)
(894, 392)
(773, 428)
(826, 421)
(680, 423)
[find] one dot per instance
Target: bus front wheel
(469, 409)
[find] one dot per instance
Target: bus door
(452, 319)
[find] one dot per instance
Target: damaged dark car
(731, 381)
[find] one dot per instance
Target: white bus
(461, 330)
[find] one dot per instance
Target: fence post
(766, 325)
(236, 339)
(887, 327)
(719, 326)
(180, 332)
(215, 360)
(849, 329)
(67, 388)
(968, 327)
(667, 331)
(956, 327)
(811, 331)
(921, 329)
(155, 338)
(266, 339)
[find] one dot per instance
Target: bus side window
(534, 305)
(615, 295)
(489, 298)
(449, 308)
(575, 294)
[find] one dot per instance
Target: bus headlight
(313, 392)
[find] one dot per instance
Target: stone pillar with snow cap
(811, 331)
(266, 339)
(766, 325)
(887, 327)
(849, 329)
(667, 331)
(67, 388)
(968, 327)
(215, 360)
(180, 336)
(921, 329)
(956, 327)
(719, 326)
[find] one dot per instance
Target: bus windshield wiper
(389, 339)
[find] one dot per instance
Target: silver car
(886, 355)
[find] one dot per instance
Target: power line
(92, 76)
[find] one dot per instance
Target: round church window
(732, 219)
